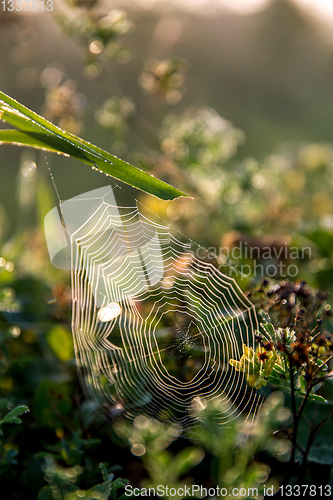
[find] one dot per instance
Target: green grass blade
(37, 132)
(19, 138)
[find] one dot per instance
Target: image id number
(24, 5)
(305, 490)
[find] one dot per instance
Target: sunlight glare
(244, 6)
(320, 8)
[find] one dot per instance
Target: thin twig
(316, 382)
(313, 434)
(294, 433)
(296, 416)
(320, 367)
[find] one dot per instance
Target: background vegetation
(238, 117)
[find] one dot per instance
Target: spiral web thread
(154, 327)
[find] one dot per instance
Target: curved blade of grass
(30, 139)
(19, 138)
(37, 132)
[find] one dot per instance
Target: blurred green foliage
(65, 447)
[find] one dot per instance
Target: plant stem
(292, 387)
(295, 425)
(313, 434)
(296, 417)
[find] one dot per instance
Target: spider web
(154, 327)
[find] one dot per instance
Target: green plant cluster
(57, 445)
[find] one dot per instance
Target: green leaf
(19, 138)
(61, 342)
(127, 495)
(104, 489)
(316, 397)
(11, 417)
(45, 494)
(279, 369)
(10, 454)
(269, 330)
(34, 131)
(321, 454)
(120, 483)
(104, 472)
(187, 458)
(14, 421)
(315, 412)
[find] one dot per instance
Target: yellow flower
(257, 368)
